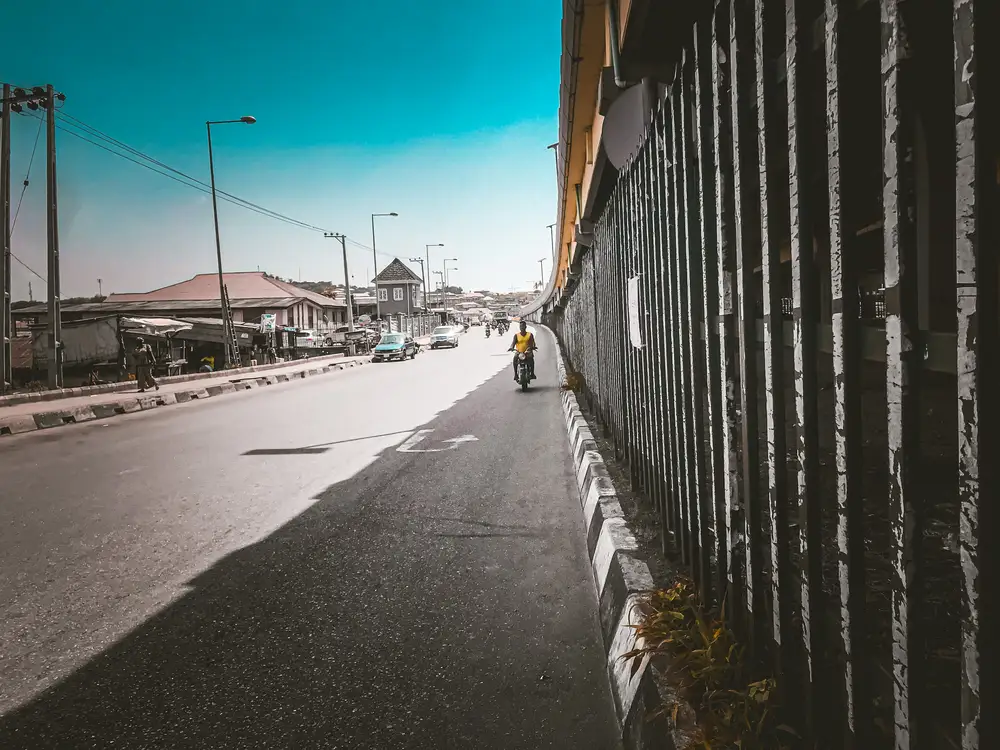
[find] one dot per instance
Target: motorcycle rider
(524, 342)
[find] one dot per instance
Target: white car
(306, 339)
(444, 336)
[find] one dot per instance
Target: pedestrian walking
(144, 359)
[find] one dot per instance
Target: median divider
(29, 417)
(621, 579)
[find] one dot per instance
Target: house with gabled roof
(398, 289)
(251, 294)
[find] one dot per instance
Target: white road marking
(419, 435)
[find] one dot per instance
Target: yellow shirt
(521, 341)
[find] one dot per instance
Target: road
(270, 570)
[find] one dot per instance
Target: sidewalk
(71, 409)
(89, 390)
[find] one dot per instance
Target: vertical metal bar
(630, 353)
(904, 350)
(676, 193)
(665, 235)
(620, 312)
(768, 127)
(638, 355)
(846, 324)
(745, 197)
(683, 299)
(704, 97)
(978, 359)
(652, 323)
(693, 320)
(653, 176)
(649, 395)
(805, 319)
(725, 427)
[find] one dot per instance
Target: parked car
(307, 338)
(444, 336)
(394, 346)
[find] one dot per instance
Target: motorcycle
(523, 370)
(487, 331)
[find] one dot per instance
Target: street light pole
(541, 270)
(552, 241)
(347, 279)
(378, 306)
(444, 278)
(423, 276)
(427, 250)
(227, 332)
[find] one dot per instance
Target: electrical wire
(97, 133)
(27, 266)
(27, 176)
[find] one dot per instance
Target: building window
(397, 294)
(312, 318)
(383, 295)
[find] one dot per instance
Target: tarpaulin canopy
(154, 326)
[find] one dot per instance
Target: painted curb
(93, 390)
(58, 418)
(621, 580)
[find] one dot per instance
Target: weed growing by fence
(700, 655)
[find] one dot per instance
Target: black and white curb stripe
(44, 420)
(621, 579)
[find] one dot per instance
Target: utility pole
(55, 308)
(100, 288)
(423, 277)
(347, 278)
(6, 326)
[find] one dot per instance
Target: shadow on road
(364, 622)
(319, 447)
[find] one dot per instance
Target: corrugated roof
(169, 306)
(253, 285)
(397, 272)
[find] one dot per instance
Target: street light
(427, 250)
(552, 240)
(227, 331)
(541, 270)
(378, 307)
(444, 289)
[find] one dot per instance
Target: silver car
(444, 336)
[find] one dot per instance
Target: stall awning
(155, 326)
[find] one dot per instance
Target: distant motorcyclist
(487, 330)
(524, 343)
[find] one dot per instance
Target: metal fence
(821, 448)
(414, 325)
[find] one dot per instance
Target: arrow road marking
(419, 435)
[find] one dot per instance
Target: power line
(97, 133)
(27, 266)
(27, 176)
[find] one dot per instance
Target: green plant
(705, 663)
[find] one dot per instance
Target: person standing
(144, 360)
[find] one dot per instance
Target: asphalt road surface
(283, 568)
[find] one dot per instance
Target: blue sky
(440, 112)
